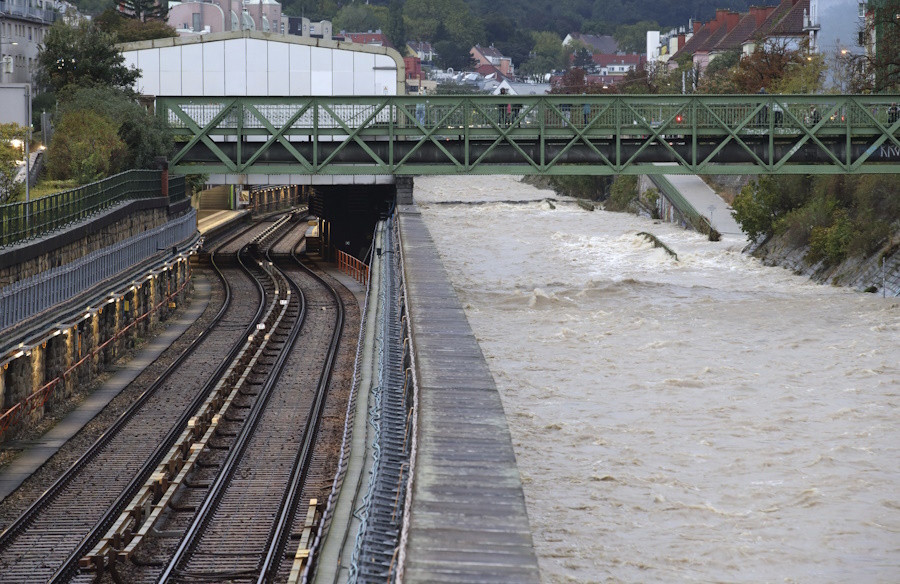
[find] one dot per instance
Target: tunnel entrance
(347, 216)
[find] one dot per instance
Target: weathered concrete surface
(468, 521)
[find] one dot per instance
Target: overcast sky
(839, 20)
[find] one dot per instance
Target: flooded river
(705, 419)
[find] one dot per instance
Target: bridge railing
(22, 221)
(349, 128)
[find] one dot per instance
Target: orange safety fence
(17, 413)
(353, 267)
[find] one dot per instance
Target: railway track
(234, 524)
(195, 486)
(45, 542)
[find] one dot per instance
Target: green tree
(83, 55)
(763, 203)
(804, 74)
(582, 58)
(127, 30)
(547, 54)
(632, 38)
(439, 20)
(9, 155)
(396, 27)
(85, 147)
(145, 136)
(356, 17)
(719, 74)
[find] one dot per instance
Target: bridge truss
(551, 135)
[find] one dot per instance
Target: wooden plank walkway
(468, 521)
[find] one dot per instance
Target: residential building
(423, 50)
(491, 56)
(514, 88)
(196, 17)
(302, 26)
(22, 29)
(608, 65)
(660, 47)
(791, 23)
(374, 38)
(880, 36)
(597, 43)
(416, 81)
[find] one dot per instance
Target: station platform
(468, 520)
(219, 221)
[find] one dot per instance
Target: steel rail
(281, 531)
(25, 519)
(226, 473)
(70, 567)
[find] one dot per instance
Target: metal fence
(28, 297)
(374, 556)
(23, 221)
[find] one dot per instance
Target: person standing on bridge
(762, 118)
(893, 113)
(420, 113)
(586, 110)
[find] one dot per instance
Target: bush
(85, 147)
(622, 192)
(797, 225)
(831, 243)
(146, 136)
(595, 188)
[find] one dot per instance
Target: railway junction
(317, 407)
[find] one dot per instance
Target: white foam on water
(708, 419)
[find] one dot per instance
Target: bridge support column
(404, 186)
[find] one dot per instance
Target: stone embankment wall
(49, 368)
(27, 259)
(856, 272)
(46, 366)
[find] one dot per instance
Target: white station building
(251, 63)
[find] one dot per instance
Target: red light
(679, 119)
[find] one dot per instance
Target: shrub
(833, 242)
(622, 192)
(85, 147)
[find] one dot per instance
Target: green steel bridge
(559, 134)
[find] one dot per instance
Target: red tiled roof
(369, 38)
(792, 23)
(772, 21)
(694, 43)
(490, 69)
(489, 51)
(713, 39)
(734, 39)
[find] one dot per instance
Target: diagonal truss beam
(621, 134)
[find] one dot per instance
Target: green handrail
(24, 221)
(691, 215)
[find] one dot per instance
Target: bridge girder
(559, 134)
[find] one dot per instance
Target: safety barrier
(353, 267)
(31, 296)
(14, 415)
(688, 212)
(23, 221)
